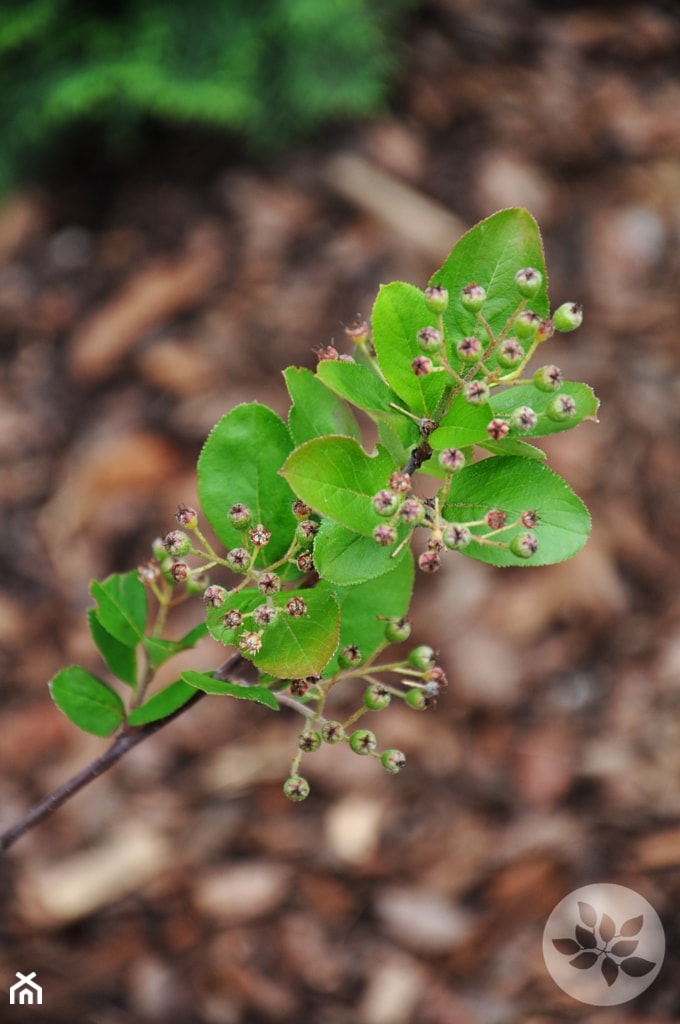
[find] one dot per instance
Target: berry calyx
(363, 741)
(430, 339)
(397, 630)
(436, 299)
(469, 349)
(523, 419)
(296, 788)
(384, 535)
(498, 428)
(421, 366)
(240, 516)
(214, 596)
(548, 378)
(385, 502)
(456, 536)
(562, 408)
(332, 732)
(238, 559)
(296, 607)
(259, 537)
(510, 353)
(452, 460)
(476, 392)
(177, 543)
(429, 561)
(524, 545)
(187, 517)
(350, 656)
(309, 740)
(250, 642)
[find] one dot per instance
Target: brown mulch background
(136, 307)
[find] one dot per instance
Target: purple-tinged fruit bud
(529, 281)
(393, 761)
(359, 332)
(472, 297)
(309, 740)
(238, 559)
(568, 316)
(327, 353)
(529, 518)
(305, 562)
(363, 741)
(301, 510)
(177, 543)
(412, 512)
(548, 378)
(264, 615)
(421, 366)
(400, 482)
(523, 419)
(561, 408)
(452, 460)
(430, 339)
(526, 324)
(384, 535)
(436, 299)
(305, 532)
(376, 697)
(457, 536)
(296, 788)
(429, 561)
(510, 354)
(299, 687)
(385, 502)
(269, 583)
(179, 572)
(233, 618)
(496, 519)
(476, 392)
(296, 607)
(524, 545)
(332, 732)
(422, 657)
(546, 329)
(259, 536)
(469, 349)
(187, 517)
(250, 642)
(497, 429)
(397, 630)
(240, 516)
(214, 596)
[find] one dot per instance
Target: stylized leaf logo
(636, 966)
(610, 971)
(566, 946)
(588, 913)
(607, 928)
(586, 939)
(624, 947)
(632, 926)
(584, 960)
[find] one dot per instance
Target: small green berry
(309, 740)
(526, 324)
(422, 657)
(397, 630)
(472, 297)
(376, 697)
(561, 408)
(452, 460)
(187, 517)
(385, 502)
(548, 378)
(568, 316)
(412, 512)
(296, 788)
(416, 699)
(510, 354)
(238, 559)
(528, 281)
(436, 299)
(332, 732)
(214, 596)
(177, 543)
(393, 761)
(350, 656)
(240, 516)
(305, 532)
(430, 339)
(469, 349)
(523, 419)
(384, 535)
(363, 741)
(476, 392)
(524, 545)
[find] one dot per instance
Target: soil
(138, 303)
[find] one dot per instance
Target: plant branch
(127, 739)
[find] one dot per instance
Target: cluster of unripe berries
(396, 503)
(420, 681)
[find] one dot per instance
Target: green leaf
(338, 479)
(87, 701)
(504, 403)
(464, 424)
(121, 606)
(490, 254)
(239, 462)
(162, 704)
(344, 557)
(119, 658)
(399, 313)
(292, 647)
(316, 410)
(159, 651)
(511, 446)
(515, 485)
(360, 604)
(208, 683)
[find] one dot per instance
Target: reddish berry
(250, 642)
(452, 460)
(296, 607)
(259, 536)
(385, 502)
(238, 559)
(305, 562)
(179, 572)
(497, 429)
(400, 482)
(177, 543)
(233, 618)
(421, 366)
(412, 512)
(299, 687)
(309, 740)
(496, 519)
(301, 510)
(187, 517)
(529, 518)
(269, 583)
(384, 535)
(264, 615)
(359, 332)
(327, 353)
(429, 561)
(214, 596)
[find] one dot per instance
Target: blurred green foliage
(270, 71)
